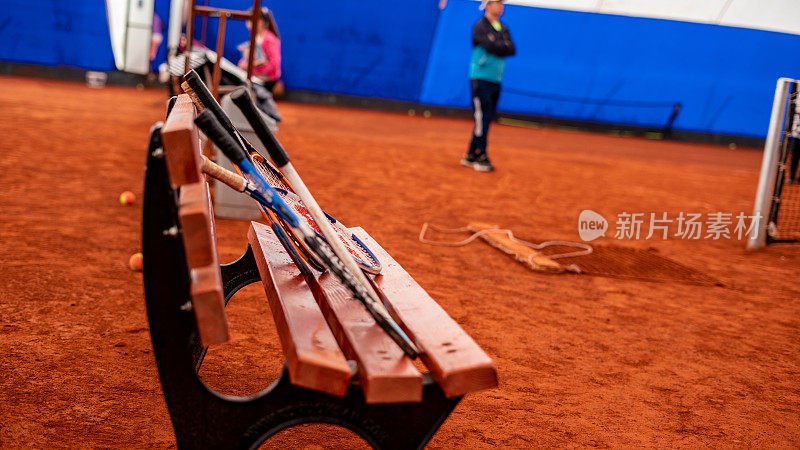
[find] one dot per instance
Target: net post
(766, 180)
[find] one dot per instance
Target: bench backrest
(195, 213)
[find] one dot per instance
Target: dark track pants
(484, 105)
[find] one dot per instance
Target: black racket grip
(214, 130)
(207, 99)
(241, 98)
(171, 104)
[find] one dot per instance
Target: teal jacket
(490, 47)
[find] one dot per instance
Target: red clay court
(583, 360)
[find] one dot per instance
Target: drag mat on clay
(550, 257)
(631, 263)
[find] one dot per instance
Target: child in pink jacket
(267, 60)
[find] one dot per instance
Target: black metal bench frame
(203, 418)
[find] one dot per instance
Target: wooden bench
(341, 367)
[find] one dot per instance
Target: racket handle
(241, 98)
(212, 128)
(171, 103)
(224, 175)
(207, 99)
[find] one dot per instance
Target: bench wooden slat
(208, 304)
(455, 360)
(385, 373)
(182, 144)
(313, 357)
(208, 300)
(195, 217)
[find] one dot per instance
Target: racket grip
(207, 99)
(224, 175)
(171, 103)
(212, 128)
(241, 98)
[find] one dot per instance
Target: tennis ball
(126, 198)
(411, 112)
(426, 114)
(135, 262)
(732, 146)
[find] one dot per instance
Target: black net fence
(783, 221)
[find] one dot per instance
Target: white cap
(485, 2)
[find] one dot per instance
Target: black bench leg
(393, 426)
(239, 273)
(211, 421)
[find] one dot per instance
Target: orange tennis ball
(126, 198)
(135, 262)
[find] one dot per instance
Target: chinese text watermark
(663, 226)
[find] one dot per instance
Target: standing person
(491, 43)
(267, 60)
(157, 36)
(266, 63)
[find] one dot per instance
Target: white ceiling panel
(771, 15)
(686, 10)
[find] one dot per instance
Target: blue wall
(161, 8)
(62, 33)
(622, 70)
(570, 65)
(348, 47)
(56, 33)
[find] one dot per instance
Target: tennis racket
(364, 258)
(241, 98)
(261, 191)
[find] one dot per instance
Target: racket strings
(585, 248)
(355, 247)
(272, 218)
(270, 174)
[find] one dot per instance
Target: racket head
(310, 257)
(363, 256)
(276, 179)
(270, 173)
(299, 248)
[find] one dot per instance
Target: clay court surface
(583, 360)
